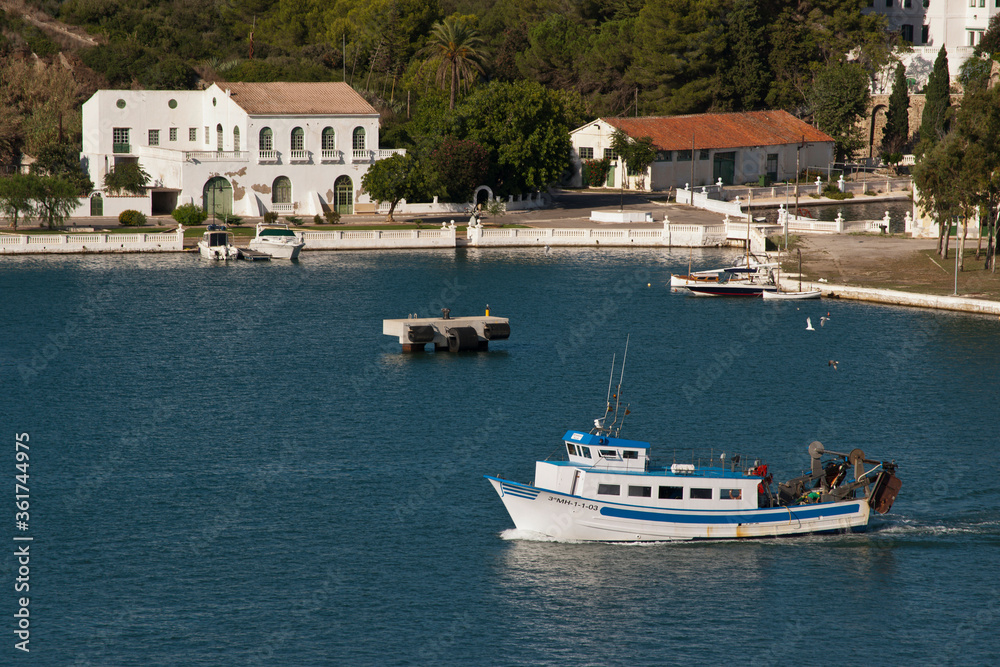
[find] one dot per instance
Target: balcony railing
(383, 153)
(121, 148)
(217, 156)
(298, 156)
(361, 155)
(279, 207)
(267, 156)
(329, 155)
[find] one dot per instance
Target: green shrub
(189, 214)
(233, 220)
(131, 218)
(293, 220)
(317, 220)
(332, 217)
(270, 217)
(833, 192)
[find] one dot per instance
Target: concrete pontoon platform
(455, 334)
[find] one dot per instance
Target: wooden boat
(780, 294)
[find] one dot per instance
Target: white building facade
(928, 25)
(701, 149)
(241, 148)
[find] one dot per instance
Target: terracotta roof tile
(720, 130)
(298, 98)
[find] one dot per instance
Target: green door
(97, 205)
(724, 167)
(217, 197)
(611, 177)
(343, 193)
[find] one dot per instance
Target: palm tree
(458, 50)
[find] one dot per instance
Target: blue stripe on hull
(742, 518)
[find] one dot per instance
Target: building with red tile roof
(736, 147)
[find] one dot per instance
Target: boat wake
(531, 536)
(914, 527)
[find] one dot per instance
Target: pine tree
(897, 118)
(934, 122)
(744, 75)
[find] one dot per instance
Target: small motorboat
(217, 243)
(780, 294)
(278, 241)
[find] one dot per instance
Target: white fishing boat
(608, 489)
(278, 241)
(753, 285)
(217, 243)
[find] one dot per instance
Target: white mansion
(247, 148)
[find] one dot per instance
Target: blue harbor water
(230, 464)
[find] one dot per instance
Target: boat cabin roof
(277, 232)
(592, 440)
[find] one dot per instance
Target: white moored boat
(278, 241)
(608, 490)
(217, 243)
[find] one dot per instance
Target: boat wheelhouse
(217, 243)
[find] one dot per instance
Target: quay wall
(16, 244)
(670, 235)
(380, 239)
(897, 298)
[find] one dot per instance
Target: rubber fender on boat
(420, 334)
(462, 338)
(496, 331)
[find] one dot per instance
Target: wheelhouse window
(266, 139)
(571, 449)
(731, 494)
(359, 139)
(608, 453)
(701, 494)
(671, 493)
(329, 139)
(630, 454)
(298, 139)
(640, 491)
(585, 452)
(282, 191)
(609, 490)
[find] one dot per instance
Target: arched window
(266, 139)
(281, 193)
(236, 139)
(359, 139)
(329, 139)
(218, 137)
(298, 139)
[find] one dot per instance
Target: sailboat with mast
(780, 294)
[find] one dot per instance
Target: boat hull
(576, 518)
(278, 250)
(792, 296)
(731, 289)
(217, 252)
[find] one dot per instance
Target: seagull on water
(832, 363)
(809, 325)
